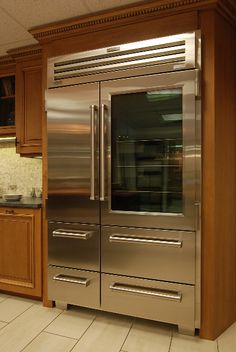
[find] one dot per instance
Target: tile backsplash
(25, 173)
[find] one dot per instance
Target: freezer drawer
(73, 286)
(74, 245)
(150, 299)
(148, 253)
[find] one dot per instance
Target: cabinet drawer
(150, 299)
(74, 245)
(155, 254)
(74, 286)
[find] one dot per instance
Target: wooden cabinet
(28, 62)
(20, 251)
(7, 97)
(29, 106)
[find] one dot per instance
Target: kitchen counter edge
(25, 202)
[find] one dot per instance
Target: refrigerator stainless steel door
(149, 151)
(72, 115)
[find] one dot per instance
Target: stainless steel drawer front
(170, 295)
(152, 241)
(73, 286)
(149, 299)
(74, 245)
(148, 253)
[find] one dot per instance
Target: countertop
(25, 202)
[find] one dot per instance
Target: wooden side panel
(207, 24)
(225, 218)
(29, 107)
(20, 251)
(218, 176)
(46, 302)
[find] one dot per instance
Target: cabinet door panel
(20, 251)
(29, 107)
(16, 249)
(33, 115)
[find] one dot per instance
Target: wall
(16, 170)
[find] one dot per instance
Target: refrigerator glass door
(72, 115)
(150, 147)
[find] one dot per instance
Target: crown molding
(6, 60)
(130, 14)
(25, 52)
(227, 8)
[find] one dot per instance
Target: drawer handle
(71, 279)
(144, 240)
(165, 294)
(82, 235)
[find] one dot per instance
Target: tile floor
(27, 326)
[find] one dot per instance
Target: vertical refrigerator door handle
(93, 110)
(102, 155)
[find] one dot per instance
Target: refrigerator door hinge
(198, 83)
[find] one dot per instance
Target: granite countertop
(25, 202)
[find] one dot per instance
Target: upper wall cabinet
(29, 107)
(28, 100)
(7, 98)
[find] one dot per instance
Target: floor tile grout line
(40, 332)
(171, 338)
(3, 300)
(131, 325)
(217, 346)
(83, 334)
(9, 322)
(53, 333)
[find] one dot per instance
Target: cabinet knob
(12, 212)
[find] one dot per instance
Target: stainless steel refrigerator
(124, 178)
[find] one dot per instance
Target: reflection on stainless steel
(74, 245)
(69, 143)
(177, 311)
(124, 156)
(75, 286)
(149, 253)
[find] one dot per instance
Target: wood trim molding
(6, 60)
(28, 51)
(130, 14)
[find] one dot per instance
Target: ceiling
(18, 16)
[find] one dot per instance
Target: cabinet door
(29, 107)
(7, 104)
(20, 251)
